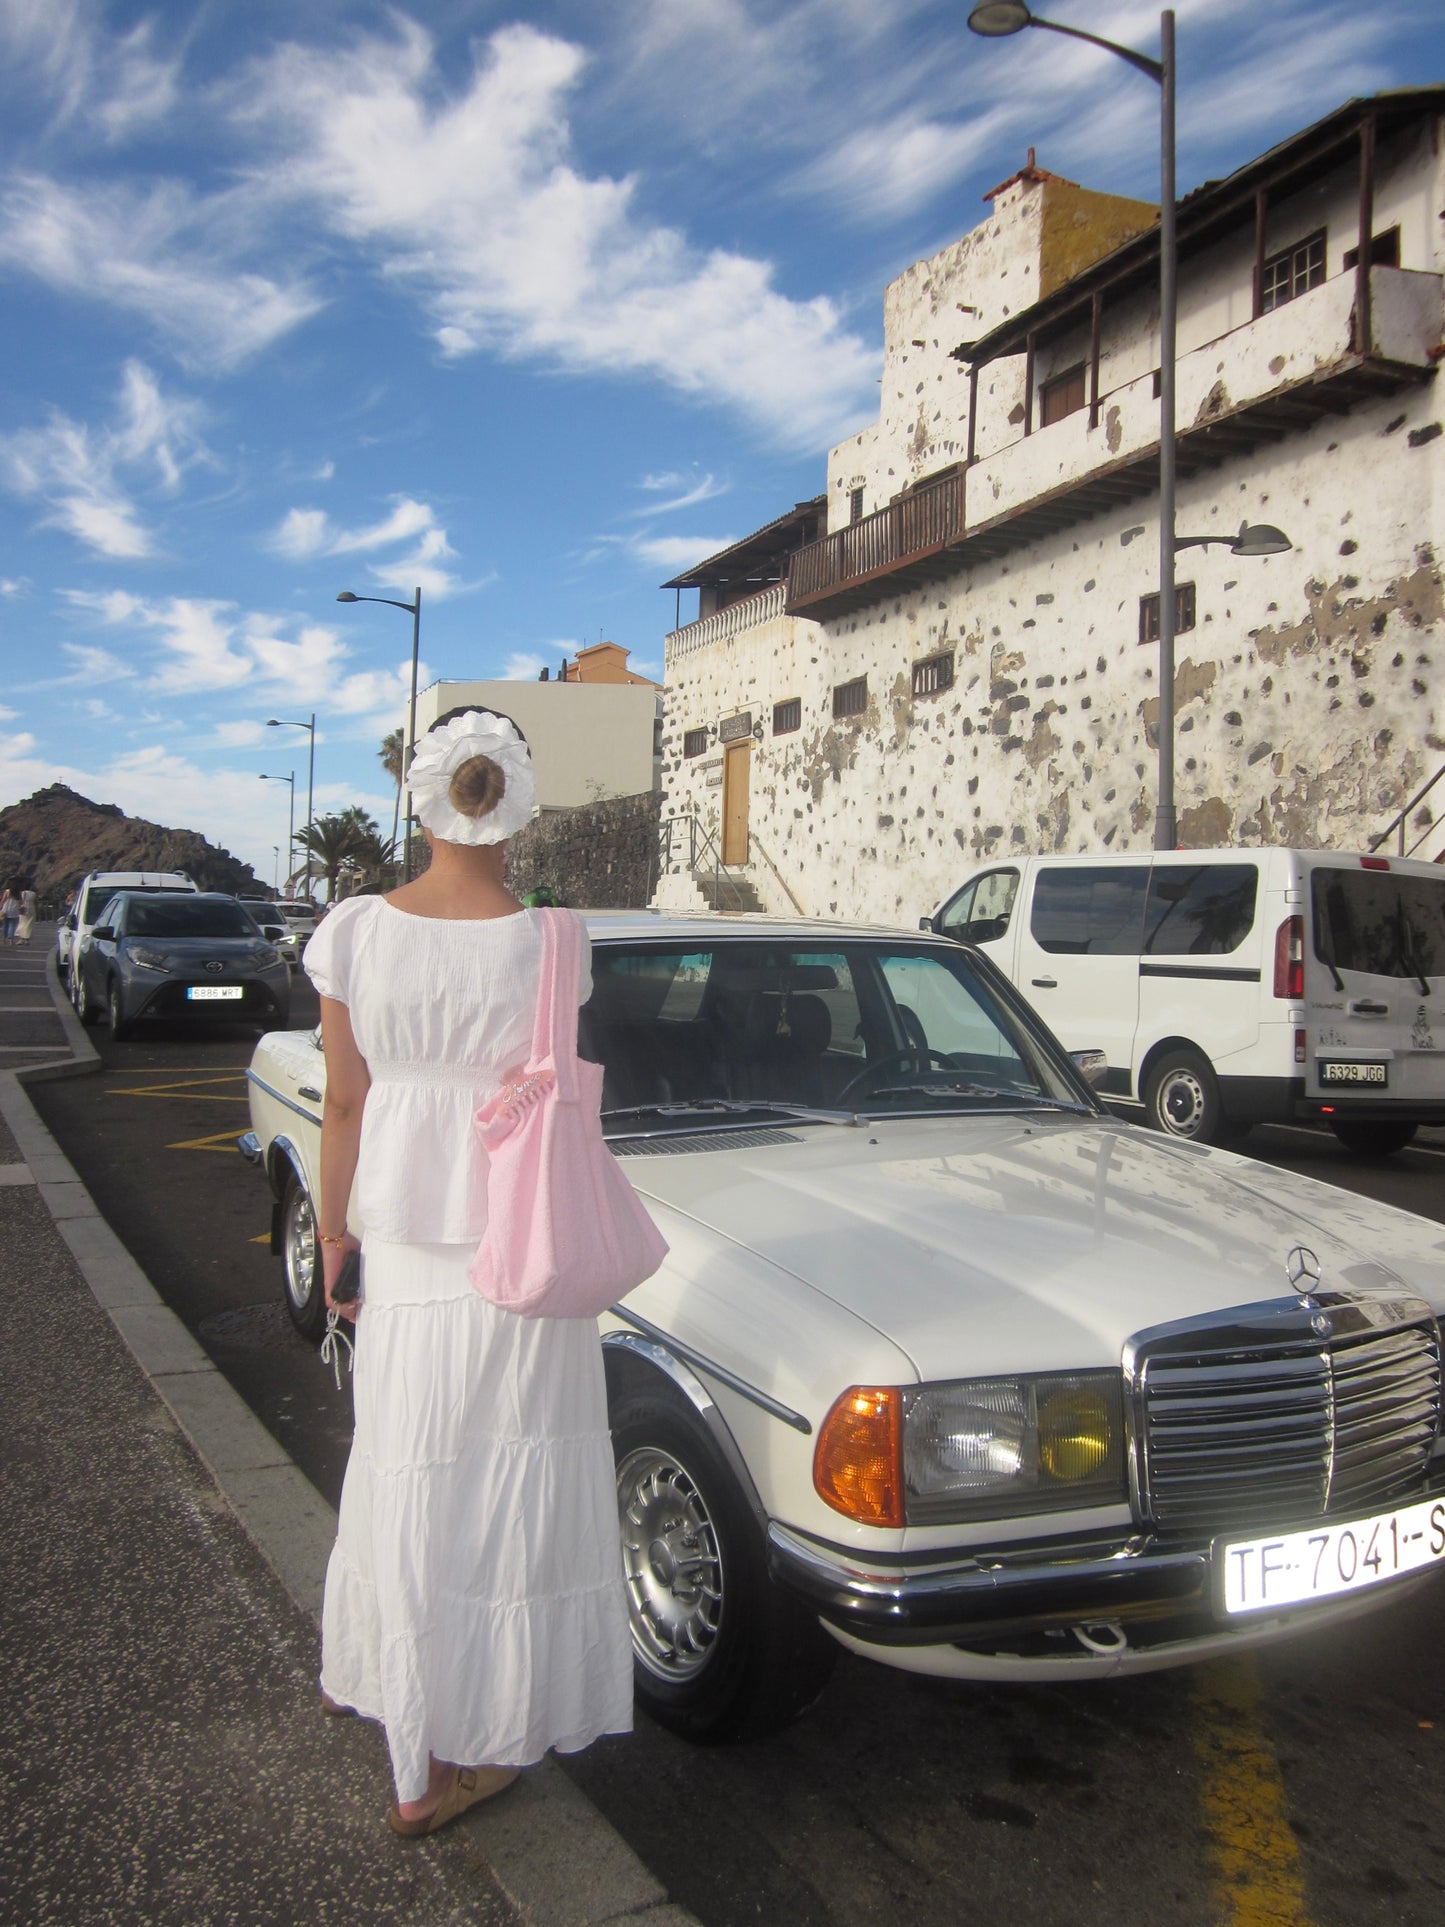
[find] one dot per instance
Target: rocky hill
(54, 837)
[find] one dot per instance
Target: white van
(1232, 987)
(93, 893)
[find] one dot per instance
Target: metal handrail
(1398, 822)
(700, 844)
(761, 848)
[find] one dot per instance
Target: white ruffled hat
(441, 753)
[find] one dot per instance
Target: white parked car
(92, 894)
(946, 1364)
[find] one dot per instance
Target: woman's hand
(333, 1256)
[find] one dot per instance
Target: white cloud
(160, 252)
(693, 489)
(94, 665)
(12, 585)
(7, 715)
(60, 50)
(525, 665)
(303, 533)
(421, 569)
(472, 199)
(82, 474)
(674, 553)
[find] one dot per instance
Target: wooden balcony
(1270, 378)
(862, 561)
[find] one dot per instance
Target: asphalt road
(1304, 1786)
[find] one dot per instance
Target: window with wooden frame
(1061, 395)
(1293, 271)
(1384, 250)
(855, 505)
(788, 716)
(933, 674)
(850, 698)
(1183, 612)
(694, 742)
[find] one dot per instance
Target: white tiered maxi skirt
(474, 1598)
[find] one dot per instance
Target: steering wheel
(914, 1054)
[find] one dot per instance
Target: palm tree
(331, 839)
(391, 752)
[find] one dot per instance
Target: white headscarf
(441, 753)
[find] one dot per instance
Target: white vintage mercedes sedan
(946, 1364)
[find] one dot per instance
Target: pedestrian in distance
(9, 916)
(474, 1599)
(25, 923)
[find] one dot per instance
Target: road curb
(558, 1860)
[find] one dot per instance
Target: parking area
(1302, 1786)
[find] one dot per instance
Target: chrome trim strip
(281, 1097)
(697, 1395)
(703, 1364)
(249, 1145)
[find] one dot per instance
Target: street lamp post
(413, 609)
(993, 19)
(290, 813)
(276, 722)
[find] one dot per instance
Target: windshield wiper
(732, 1107)
(1030, 1100)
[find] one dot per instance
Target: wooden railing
(917, 524)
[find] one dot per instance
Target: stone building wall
(599, 856)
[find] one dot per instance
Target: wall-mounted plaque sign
(733, 728)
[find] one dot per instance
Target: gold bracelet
(321, 1238)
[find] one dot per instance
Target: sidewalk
(162, 1750)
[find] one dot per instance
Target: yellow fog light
(1076, 1433)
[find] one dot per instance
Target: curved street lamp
(290, 814)
(1254, 538)
(413, 609)
(994, 19)
(276, 722)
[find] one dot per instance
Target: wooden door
(736, 759)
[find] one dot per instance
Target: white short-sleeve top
(441, 1010)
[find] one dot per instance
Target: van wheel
(1181, 1098)
(1368, 1137)
(719, 1651)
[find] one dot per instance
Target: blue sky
(531, 306)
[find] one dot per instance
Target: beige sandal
(471, 1785)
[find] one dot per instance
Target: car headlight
(264, 959)
(973, 1448)
(148, 959)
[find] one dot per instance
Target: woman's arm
(347, 1082)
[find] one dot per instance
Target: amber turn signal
(858, 1460)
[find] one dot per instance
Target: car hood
(983, 1245)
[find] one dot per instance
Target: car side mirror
(925, 923)
(103, 933)
(1092, 1066)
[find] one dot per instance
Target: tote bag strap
(555, 1032)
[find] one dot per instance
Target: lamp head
(273, 722)
(1259, 538)
(347, 596)
(995, 18)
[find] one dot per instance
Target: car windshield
(186, 917)
(687, 1032)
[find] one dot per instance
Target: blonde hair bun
(477, 787)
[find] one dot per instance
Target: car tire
(119, 1028)
(1370, 1137)
(301, 1261)
(1181, 1098)
(62, 968)
(85, 1008)
(719, 1651)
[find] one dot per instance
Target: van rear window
(1383, 923)
(1203, 912)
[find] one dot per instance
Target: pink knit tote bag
(566, 1233)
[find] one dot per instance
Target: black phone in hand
(347, 1288)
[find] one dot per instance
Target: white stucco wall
(588, 740)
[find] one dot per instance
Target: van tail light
(858, 1460)
(1289, 958)
(1374, 863)
(1299, 1047)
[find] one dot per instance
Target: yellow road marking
(1258, 1878)
(221, 1141)
(190, 1089)
(264, 1239)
